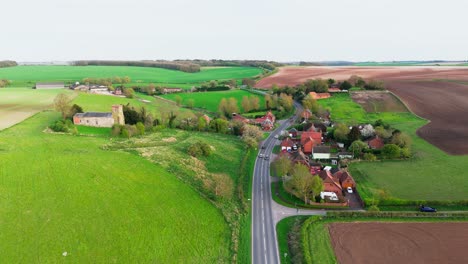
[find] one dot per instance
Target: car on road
(260, 155)
(349, 190)
(427, 209)
(276, 136)
(263, 147)
(266, 157)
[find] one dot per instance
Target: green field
(210, 100)
(64, 193)
(27, 76)
(430, 175)
(19, 104)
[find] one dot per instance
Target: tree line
(269, 65)
(8, 63)
(172, 65)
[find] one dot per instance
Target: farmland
(19, 104)
(63, 193)
(399, 242)
(27, 76)
(378, 101)
(419, 178)
(210, 100)
(435, 93)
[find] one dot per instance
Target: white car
(349, 189)
(260, 156)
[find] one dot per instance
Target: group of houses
(266, 122)
(307, 147)
(90, 88)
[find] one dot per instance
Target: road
(265, 212)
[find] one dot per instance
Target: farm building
(376, 143)
(50, 85)
(100, 119)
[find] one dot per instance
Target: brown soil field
(425, 243)
(378, 101)
(439, 94)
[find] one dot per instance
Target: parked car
(427, 209)
(349, 190)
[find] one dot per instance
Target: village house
(267, 122)
(321, 152)
(318, 96)
(330, 183)
(376, 143)
(50, 85)
(100, 119)
(345, 179)
(171, 90)
(345, 155)
(334, 90)
(287, 145)
(118, 91)
(299, 157)
(98, 89)
(293, 132)
(236, 117)
(309, 139)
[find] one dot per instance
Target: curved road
(265, 212)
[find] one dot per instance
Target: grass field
(27, 76)
(19, 104)
(430, 175)
(64, 193)
(210, 100)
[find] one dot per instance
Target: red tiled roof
(287, 143)
(316, 136)
(334, 90)
(376, 143)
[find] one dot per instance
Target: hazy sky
(282, 30)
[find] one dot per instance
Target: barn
(50, 85)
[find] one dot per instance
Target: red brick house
(345, 179)
(240, 118)
(308, 145)
(330, 183)
(299, 157)
(267, 121)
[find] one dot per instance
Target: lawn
(430, 175)
(19, 104)
(210, 100)
(64, 193)
(27, 76)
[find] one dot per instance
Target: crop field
(399, 242)
(27, 76)
(210, 100)
(378, 101)
(19, 104)
(63, 193)
(419, 178)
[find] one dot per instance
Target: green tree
(301, 181)
(345, 86)
(401, 139)
(341, 132)
(405, 153)
(391, 151)
(201, 124)
(357, 147)
(254, 102)
(190, 103)
(311, 104)
(141, 128)
(316, 185)
(129, 92)
(369, 157)
(282, 165)
(354, 134)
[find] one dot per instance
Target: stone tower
(117, 114)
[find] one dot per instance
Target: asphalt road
(265, 212)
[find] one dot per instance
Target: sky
(280, 30)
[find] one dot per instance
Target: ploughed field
(438, 94)
(399, 242)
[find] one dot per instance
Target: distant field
(210, 100)
(430, 175)
(19, 104)
(27, 76)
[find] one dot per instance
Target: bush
(373, 208)
(65, 126)
(198, 149)
(369, 157)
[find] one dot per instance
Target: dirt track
(414, 243)
(426, 91)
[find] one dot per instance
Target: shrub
(63, 126)
(140, 128)
(369, 157)
(198, 149)
(373, 208)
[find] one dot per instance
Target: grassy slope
(210, 100)
(430, 175)
(63, 193)
(27, 76)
